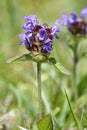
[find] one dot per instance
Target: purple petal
(47, 45)
(74, 16)
(84, 12)
(55, 29)
(20, 43)
(28, 26)
(86, 30)
(42, 34)
(32, 18)
(58, 22)
(48, 48)
(48, 41)
(27, 43)
(70, 21)
(22, 36)
(56, 36)
(65, 18)
(29, 34)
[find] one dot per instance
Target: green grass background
(18, 80)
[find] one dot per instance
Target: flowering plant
(38, 39)
(77, 31)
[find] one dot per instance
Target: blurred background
(18, 86)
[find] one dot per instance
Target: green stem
(39, 89)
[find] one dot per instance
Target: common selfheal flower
(76, 25)
(38, 39)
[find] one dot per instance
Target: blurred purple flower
(38, 38)
(76, 25)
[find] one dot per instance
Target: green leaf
(45, 123)
(24, 57)
(58, 66)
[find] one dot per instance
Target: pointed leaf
(58, 66)
(45, 123)
(24, 57)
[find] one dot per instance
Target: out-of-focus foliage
(18, 91)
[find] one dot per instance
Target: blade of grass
(72, 112)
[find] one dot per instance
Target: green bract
(40, 58)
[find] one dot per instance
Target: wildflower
(76, 25)
(38, 39)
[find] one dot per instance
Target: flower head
(76, 25)
(38, 38)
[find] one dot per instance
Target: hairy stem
(39, 89)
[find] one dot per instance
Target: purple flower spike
(76, 25)
(38, 38)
